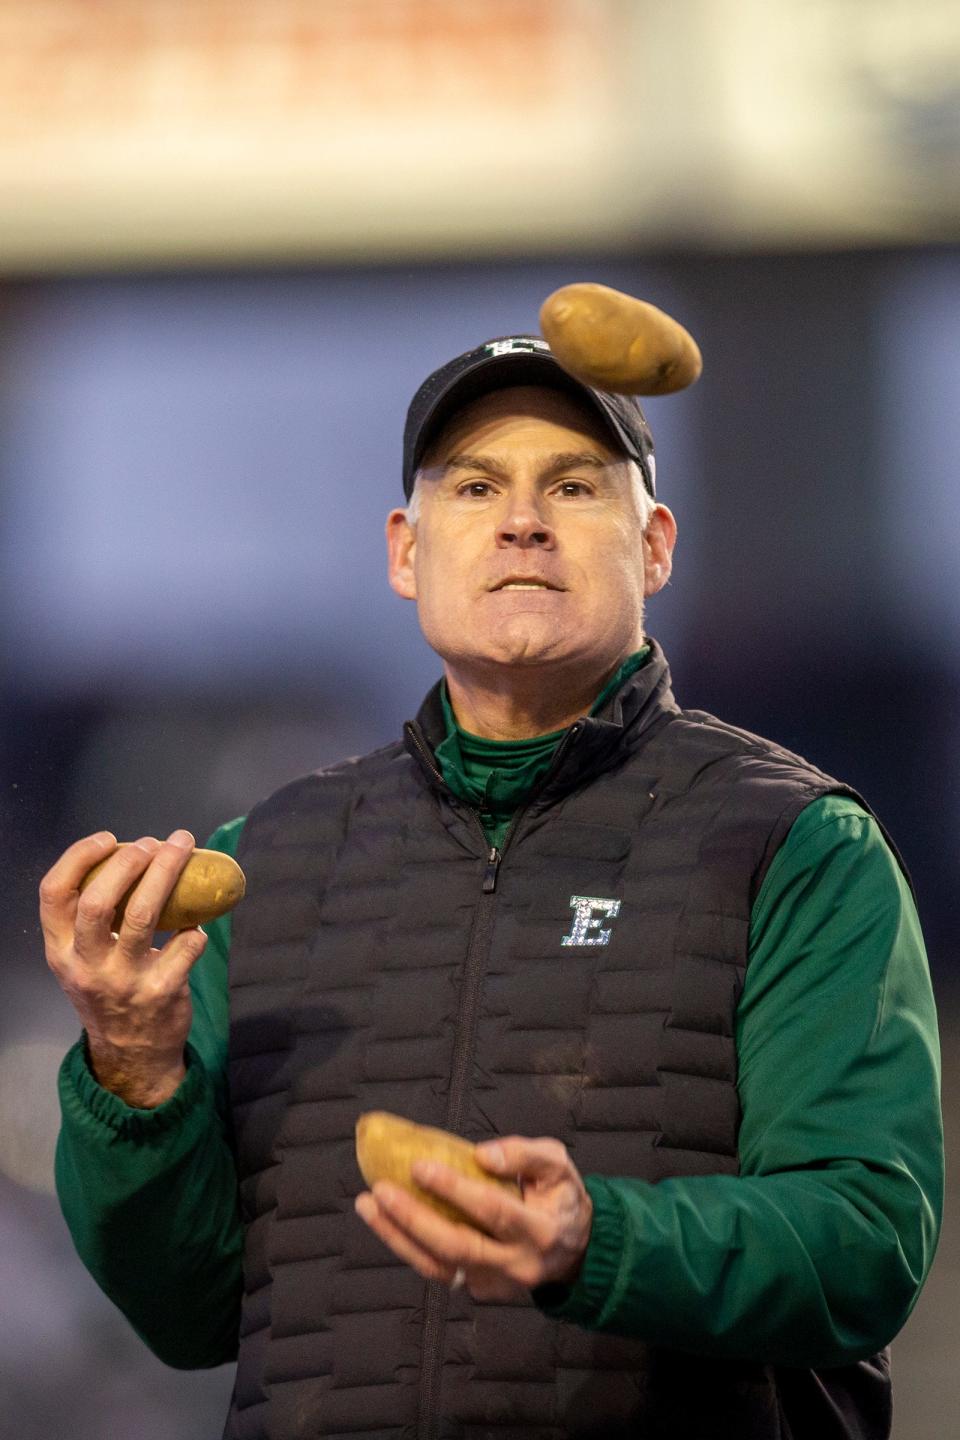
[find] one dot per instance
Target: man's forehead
(525, 411)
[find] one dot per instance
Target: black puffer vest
(584, 985)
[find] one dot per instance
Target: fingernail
(147, 843)
(104, 839)
(425, 1169)
(182, 839)
(493, 1155)
(363, 1206)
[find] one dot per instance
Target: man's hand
(132, 998)
(528, 1242)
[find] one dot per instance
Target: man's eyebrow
(578, 460)
(553, 464)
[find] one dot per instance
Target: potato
(211, 884)
(614, 342)
(388, 1145)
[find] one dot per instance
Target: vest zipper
(494, 855)
(423, 750)
(490, 872)
(438, 1297)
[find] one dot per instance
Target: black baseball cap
(517, 360)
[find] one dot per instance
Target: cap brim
(500, 372)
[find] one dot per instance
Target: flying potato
(615, 342)
(388, 1146)
(210, 884)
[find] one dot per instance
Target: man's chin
(518, 651)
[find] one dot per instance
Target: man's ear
(658, 542)
(401, 550)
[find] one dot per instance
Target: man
(563, 908)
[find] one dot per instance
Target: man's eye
(476, 489)
(573, 487)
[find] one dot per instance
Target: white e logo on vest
(589, 912)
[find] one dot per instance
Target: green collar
(495, 777)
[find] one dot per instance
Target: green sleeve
(150, 1196)
(815, 1253)
(209, 989)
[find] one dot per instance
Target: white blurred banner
(155, 130)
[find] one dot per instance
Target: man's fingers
(145, 871)
(59, 888)
(142, 910)
(516, 1157)
(406, 1249)
(446, 1240)
(95, 908)
(491, 1265)
(500, 1214)
(179, 955)
(512, 1241)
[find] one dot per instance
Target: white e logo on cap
(510, 347)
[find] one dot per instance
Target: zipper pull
(490, 872)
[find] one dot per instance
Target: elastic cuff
(83, 1098)
(584, 1302)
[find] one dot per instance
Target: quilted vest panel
(371, 969)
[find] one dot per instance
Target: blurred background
(233, 240)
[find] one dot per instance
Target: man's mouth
(525, 583)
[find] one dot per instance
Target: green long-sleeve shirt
(813, 1255)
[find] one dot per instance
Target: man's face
(529, 548)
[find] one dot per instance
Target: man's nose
(524, 527)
